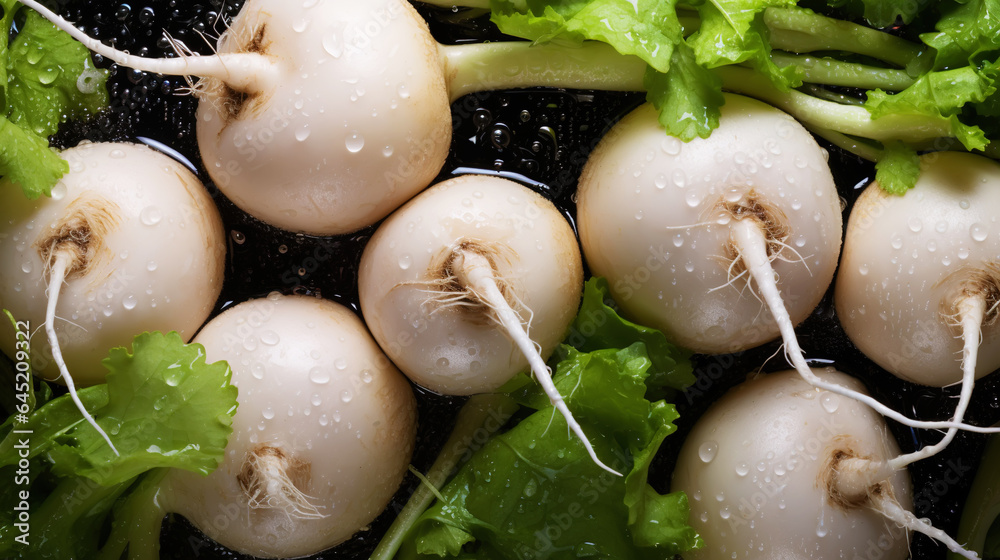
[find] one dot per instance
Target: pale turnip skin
(754, 468)
(905, 259)
(649, 214)
(157, 255)
(313, 384)
(450, 350)
(354, 123)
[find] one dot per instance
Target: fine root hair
(273, 480)
(445, 290)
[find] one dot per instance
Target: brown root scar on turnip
(79, 235)
(230, 102)
(981, 280)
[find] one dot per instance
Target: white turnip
(452, 283)
(129, 242)
(323, 117)
(322, 436)
(723, 243)
(777, 469)
(919, 282)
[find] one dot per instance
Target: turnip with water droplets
(322, 436)
(129, 242)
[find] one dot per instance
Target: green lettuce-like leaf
(688, 97)
(648, 29)
(535, 490)
(941, 95)
(967, 33)
(883, 13)
(898, 168)
(719, 43)
(164, 408)
(162, 405)
(46, 77)
(598, 326)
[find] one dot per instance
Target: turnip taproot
(776, 458)
(453, 282)
(919, 282)
(322, 437)
(723, 243)
(129, 242)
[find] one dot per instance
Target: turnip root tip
(474, 271)
(61, 259)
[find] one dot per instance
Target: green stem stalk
(482, 413)
(832, 72)
(492, 66)
(799, 30)
(137, 522)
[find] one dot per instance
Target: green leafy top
(918, 96)
(162, 405)
(46, 78)
(533, 491)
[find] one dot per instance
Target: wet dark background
(540, 137)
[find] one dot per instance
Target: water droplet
(963, 204)
(863, 270)
(257, 370)
(332, 45)
(303, 133)
(963, 253)
(742, 469)
(387, 151)
(129, 302)
(725, 513)
(671, 146)
(979, 232)
(340, 364)
(59, 191)
(319, 376)
(707, 451)
(638, 215)
(660, 181)
(405, 261)
(116, 154)
(267, 413)
(27, 267)
(692, 199)
(300, 25)
(915, 224)
(443, 363)
(150, 215)
(679, 178)
(897, 242)
(270, 338)
(678, 240)
(355, 142)
(346, 396)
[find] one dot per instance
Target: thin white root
(246, 72)
(57, 274)
(972, 312)
(751, 244)
(891, 509)
(267, 480)
(476, 273)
